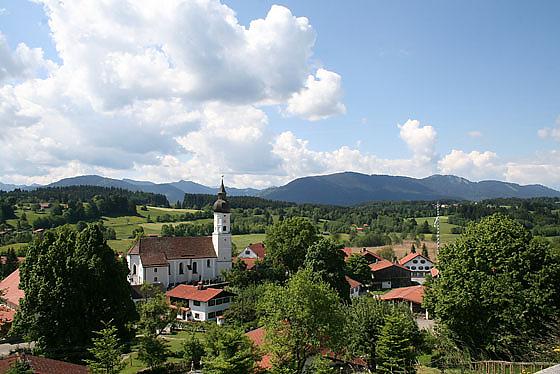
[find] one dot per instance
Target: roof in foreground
(257, 337)
(353, 283)
(12, 292)
(412, 256)
(414, 294)
(384, 264)
(156, 251)
(42, 365)
(259, 249)
(187, 292)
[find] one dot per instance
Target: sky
(265, 92)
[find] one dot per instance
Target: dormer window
(134, 269)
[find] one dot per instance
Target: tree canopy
(73, 282)
(498, 289)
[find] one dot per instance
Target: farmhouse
(251, 254)
(355, 286)
(198, 303)
(420, 266)
(387, 274)
(42, 365)
(413, 296)
(369, 255)
(175, 260)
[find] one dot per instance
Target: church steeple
(221, 205)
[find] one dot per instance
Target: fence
(505, 367)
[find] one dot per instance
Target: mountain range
(346, 188)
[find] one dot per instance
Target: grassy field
(445, 228)
(16, 246)
(242, 241)
(174, 344)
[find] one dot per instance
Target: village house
(386, 274)
(198, 303)
(176, 260)
(251, 254)
(412, 295)
(419, 266)
(355, 286)
(11, 296)
(42, 365)
(369, 255)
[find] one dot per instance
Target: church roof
(12, 293)
(221, 205)
(155, 251)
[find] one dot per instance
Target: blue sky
(483, 74)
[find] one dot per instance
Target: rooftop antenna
(436, 224)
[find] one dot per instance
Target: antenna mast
(436, 224)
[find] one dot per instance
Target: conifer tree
(395, 348)
(412, 248)
(425, 250)
(106, 352)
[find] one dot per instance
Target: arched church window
(195, 268)
(134, 269)
(180, 268)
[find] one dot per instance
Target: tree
(425, 228)
(357, 268)
(193, 351)
(321, 365)
(152, 351)
(287, 241)
(154, 311)
(388, 253)
(300, 318)
(326, 260)
(412, 248)
(228, 351)
(106, 352)
(72, 281)
(395, 348)
(11, 263)
(498, 289)
(425, 251)
(20, 366)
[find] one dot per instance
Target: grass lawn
(123, 226)
(174, 344)
(242, 241)
(120, 246)
(155, 212)
(16, 246)
(445, 228)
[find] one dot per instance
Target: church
(175, 260)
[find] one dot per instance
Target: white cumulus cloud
(320, 98)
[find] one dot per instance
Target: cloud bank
(178, 89)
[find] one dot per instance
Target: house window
(225, 228)
(415, 261)
(194, 268)
(155, 270)
(413, 268)
(180, 268)
(211, 315)
(247, 252)
(420, 267)
(219, 301)
(155, 279)
(422, 261)
(196, 303)
(219, 312)
(207, 263)
(196, 316)
(226, 300)
(134, 269)
(212, 303)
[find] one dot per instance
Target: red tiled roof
(184, 291)
(12, 292)
(383, 264)
(412, 256)
(351, 251)
(353, 283)
(259, 249)
(249, 262)
(155, 251)
(434, 272)
(41, 365)
(412, 293)
(6, 314)
(257, 337)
